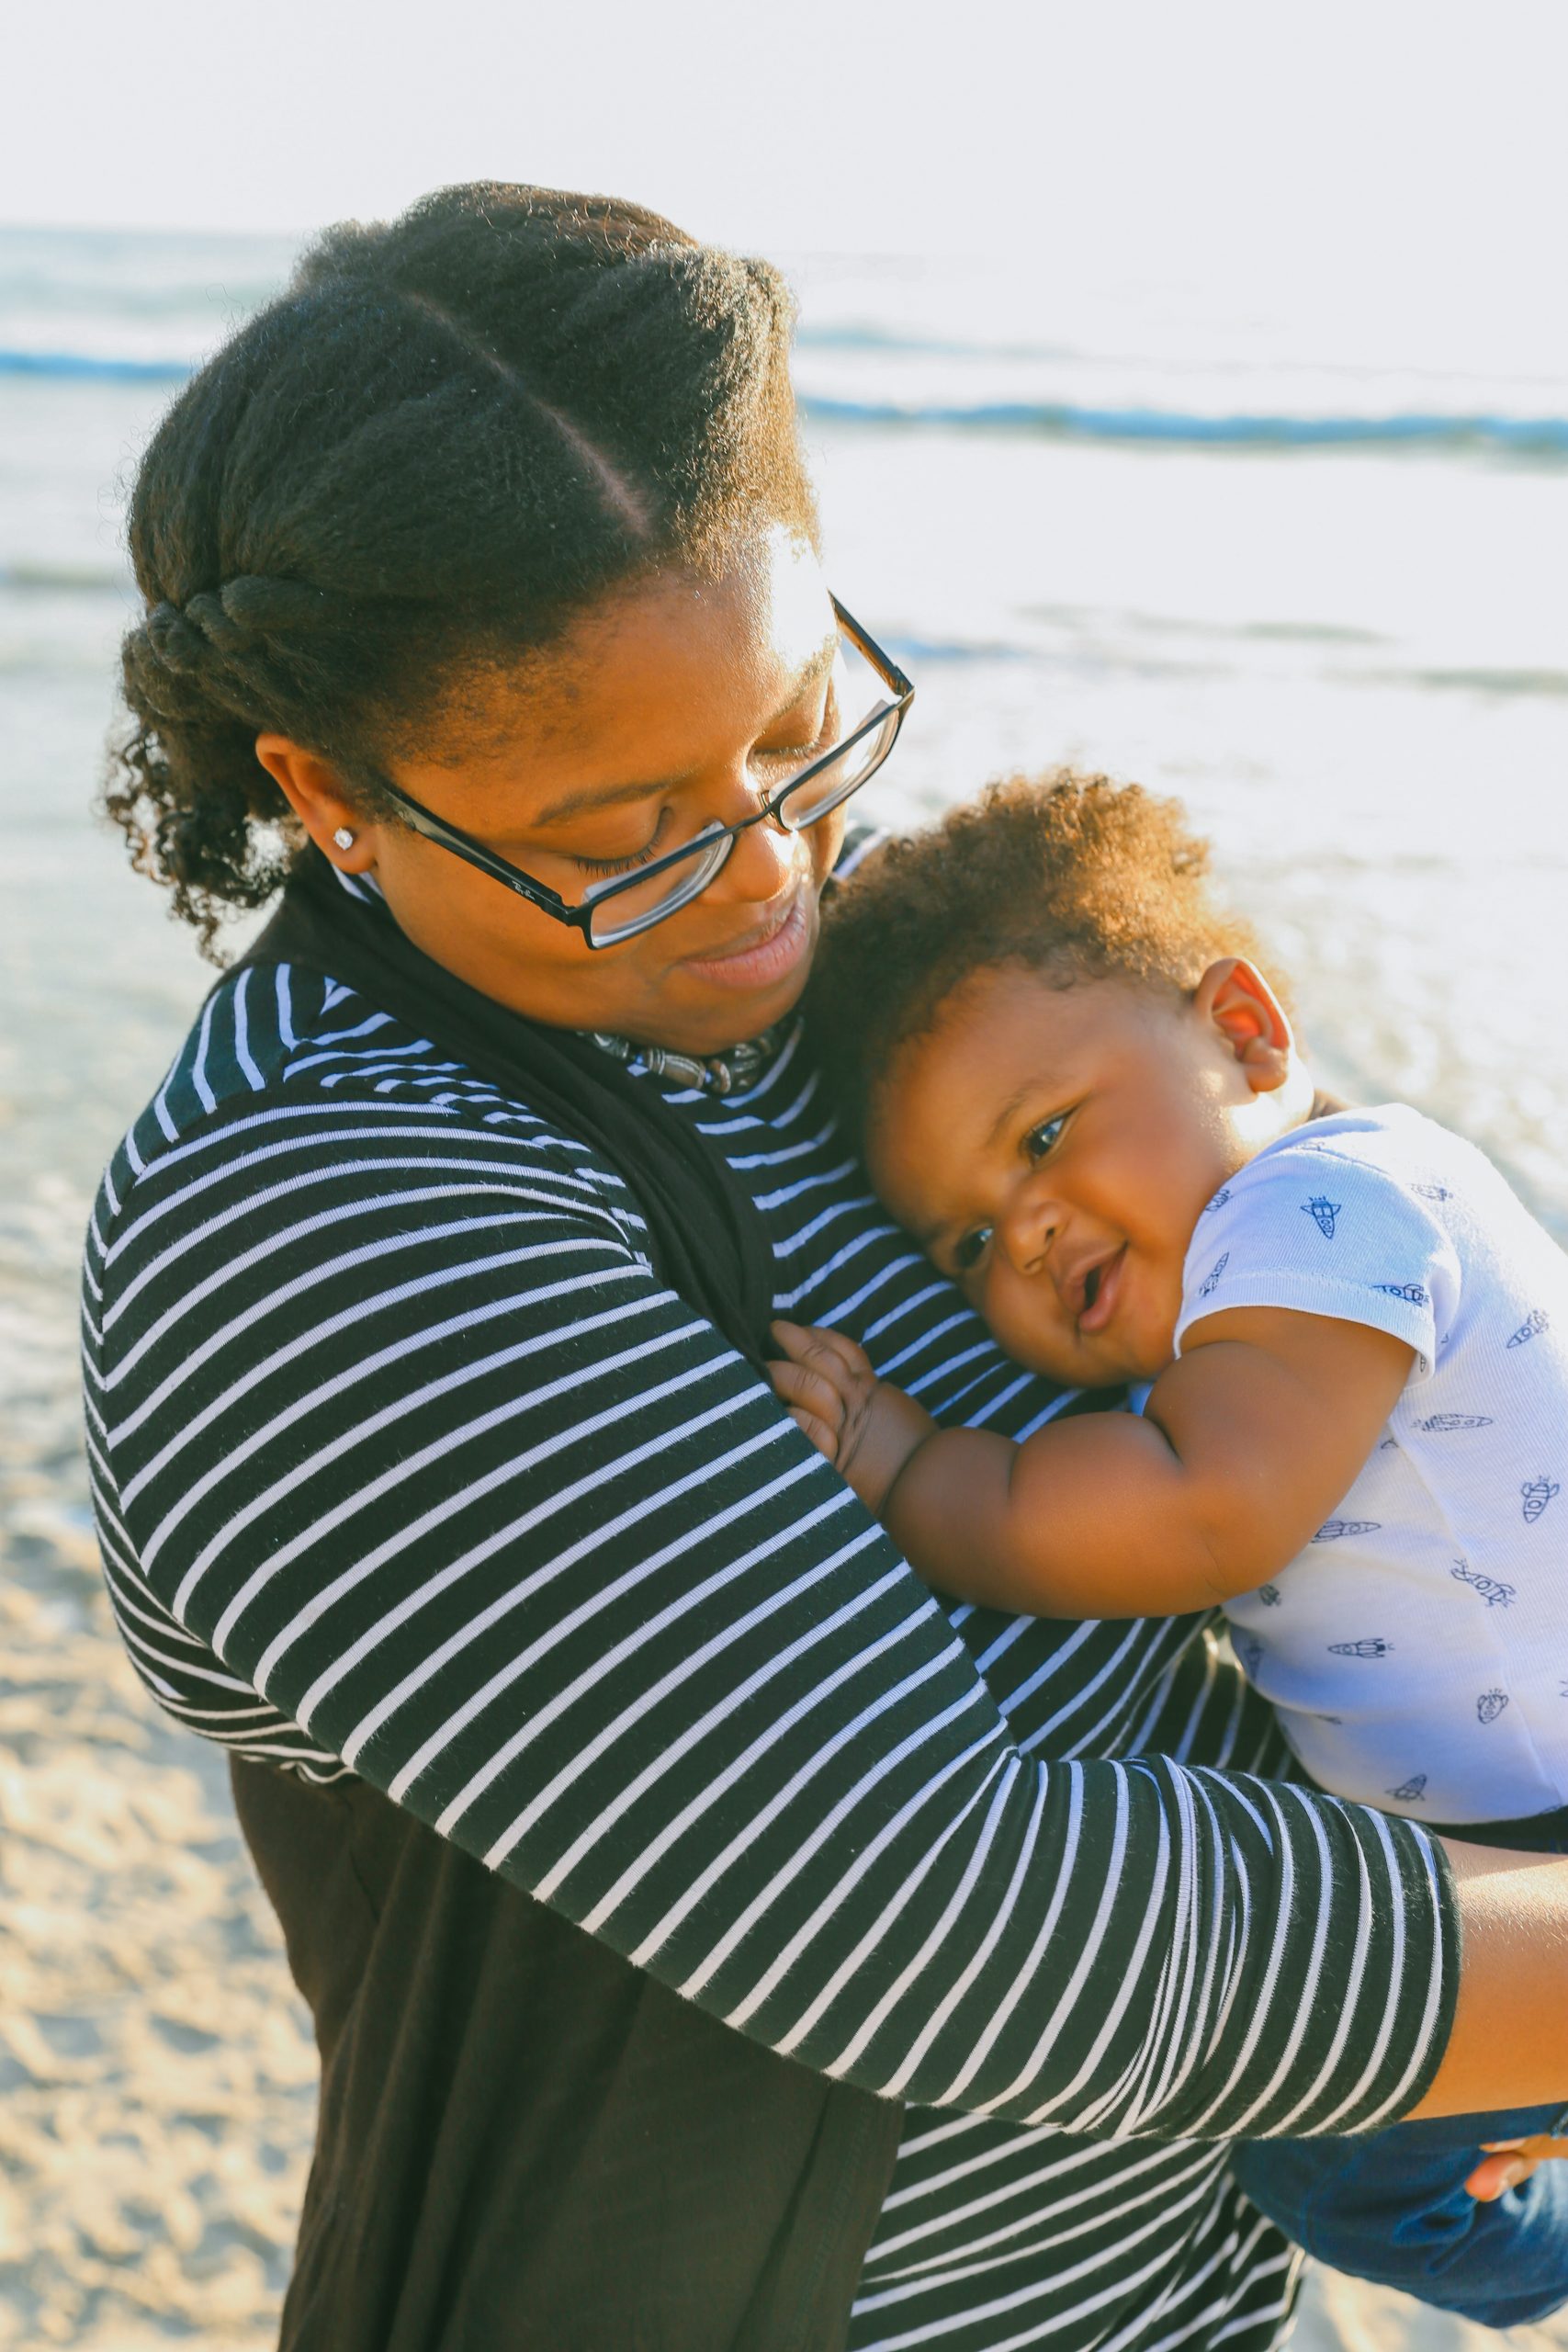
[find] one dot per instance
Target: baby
(1074, 1085)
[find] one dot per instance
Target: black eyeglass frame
(538, 894)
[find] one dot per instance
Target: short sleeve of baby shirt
(1323, 1228)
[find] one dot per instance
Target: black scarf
(617, 2169)
(705, 1240)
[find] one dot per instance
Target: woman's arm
(1508, 2043)
(1245, 1446)
(399, 1442)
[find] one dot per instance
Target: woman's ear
(315, 792)
(1234, 998)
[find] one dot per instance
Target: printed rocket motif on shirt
(1492, 1590)
(1537, 1493)
(1435, 1625)
(1249, 1649)
(1537, 1321)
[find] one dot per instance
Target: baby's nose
(1027, 1233)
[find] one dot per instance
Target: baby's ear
(1237, 1001)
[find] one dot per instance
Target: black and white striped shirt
(406, 1466)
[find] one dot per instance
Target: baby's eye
(1044, 1138)
(968, 1252)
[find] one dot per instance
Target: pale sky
(1314, 140)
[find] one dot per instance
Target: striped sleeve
(407, 1465)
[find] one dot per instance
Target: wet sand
(157, 2075)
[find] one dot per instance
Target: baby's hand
(866, 1428)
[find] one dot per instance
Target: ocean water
(1304, 570)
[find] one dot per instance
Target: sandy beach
(157, 2077)
(1276, 635)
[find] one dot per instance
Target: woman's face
(667, 708)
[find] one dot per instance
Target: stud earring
(343, 838)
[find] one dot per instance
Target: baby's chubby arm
(1245, 1445)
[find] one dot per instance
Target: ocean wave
(904, 343)
(1471, 681)
(1175, 427)
(29, 578)
(1060, 420)
(941, 649)
(93, 363)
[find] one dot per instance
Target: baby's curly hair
(1069, 876)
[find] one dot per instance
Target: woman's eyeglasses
(618, 908)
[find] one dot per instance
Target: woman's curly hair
(1069, 876)
(450, 435)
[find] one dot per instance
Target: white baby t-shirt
(1418, 1650)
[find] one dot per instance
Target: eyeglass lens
(627, 907)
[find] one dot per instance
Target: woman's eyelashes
(820, 738)
(628, 865)
(793, 755)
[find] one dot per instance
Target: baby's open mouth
(1101, 1283)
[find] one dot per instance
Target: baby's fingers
(831, 1352)
(821, 1436)
(809, 1395)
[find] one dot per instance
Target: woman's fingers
(1506, 2163)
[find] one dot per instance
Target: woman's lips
(770, 950)
(1096, 1316)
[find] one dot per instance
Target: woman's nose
(762, 863)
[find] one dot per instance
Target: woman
(699, 1940)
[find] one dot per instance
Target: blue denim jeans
(1391, 2206)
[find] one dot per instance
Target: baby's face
(1052, 1149)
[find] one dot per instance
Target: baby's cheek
(1025, 1319)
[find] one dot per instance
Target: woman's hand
(867, 1428)
(1506, 2163)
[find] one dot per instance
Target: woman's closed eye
(792, 755)
(820, 739)
(631, 861)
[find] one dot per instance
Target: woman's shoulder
(281, 1060)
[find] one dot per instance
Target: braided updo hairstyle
(451, 435)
